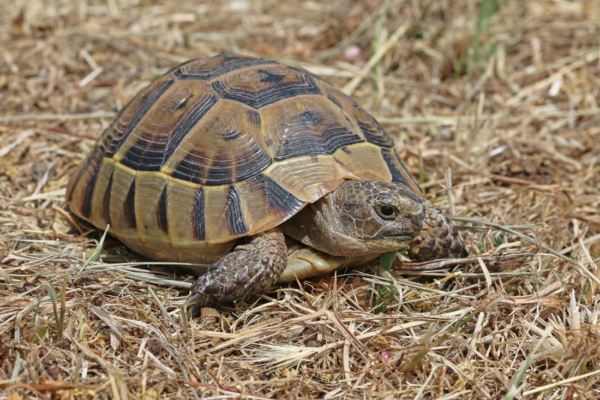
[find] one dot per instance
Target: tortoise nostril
(410, 206)
(416, 213)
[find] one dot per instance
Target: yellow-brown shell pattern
(224, 147)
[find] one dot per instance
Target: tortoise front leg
(248, 270)
(438, 238)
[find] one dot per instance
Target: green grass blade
(513, 391)
(387, 260)
(54, 298)
(96, 254)
(60, 322)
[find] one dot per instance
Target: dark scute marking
(229, 63)
(178, 74)
(222, 169)
(335, 101)
(161, 212)
(106, 200)
(198, 218)
(279, 200)
(269, 95)
(231, 135)
(187, 123)
(181, 105)
(307, 134)
(267, 76)
(86, 207)
(110, 142)
(84, 166)
(375, 134)
(129, 207)
(140, 113)
(254, 117)
(396, 175)
(234, 214)
(303, 71)
(309, 118)
(144, 157)
(177, 67)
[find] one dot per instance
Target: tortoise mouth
(401, 238)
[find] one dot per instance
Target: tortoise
(260, 172)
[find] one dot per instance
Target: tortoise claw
(193, 300)
(192, 305)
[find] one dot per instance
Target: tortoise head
(360, 218)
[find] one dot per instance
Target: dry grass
(497, 116)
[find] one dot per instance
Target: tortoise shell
(224, 147)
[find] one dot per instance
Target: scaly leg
(438, 238)
(248, 270)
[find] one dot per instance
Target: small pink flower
(386, 355)
(352, 52)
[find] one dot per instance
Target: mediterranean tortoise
(260, 170)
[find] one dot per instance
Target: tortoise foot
(438, 238)
(247, 271)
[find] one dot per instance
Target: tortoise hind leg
(438, 238)
(248, 270)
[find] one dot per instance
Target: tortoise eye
(386, 212)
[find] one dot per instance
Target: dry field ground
(494, 107)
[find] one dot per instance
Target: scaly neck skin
(350, 221)
(314, 226)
